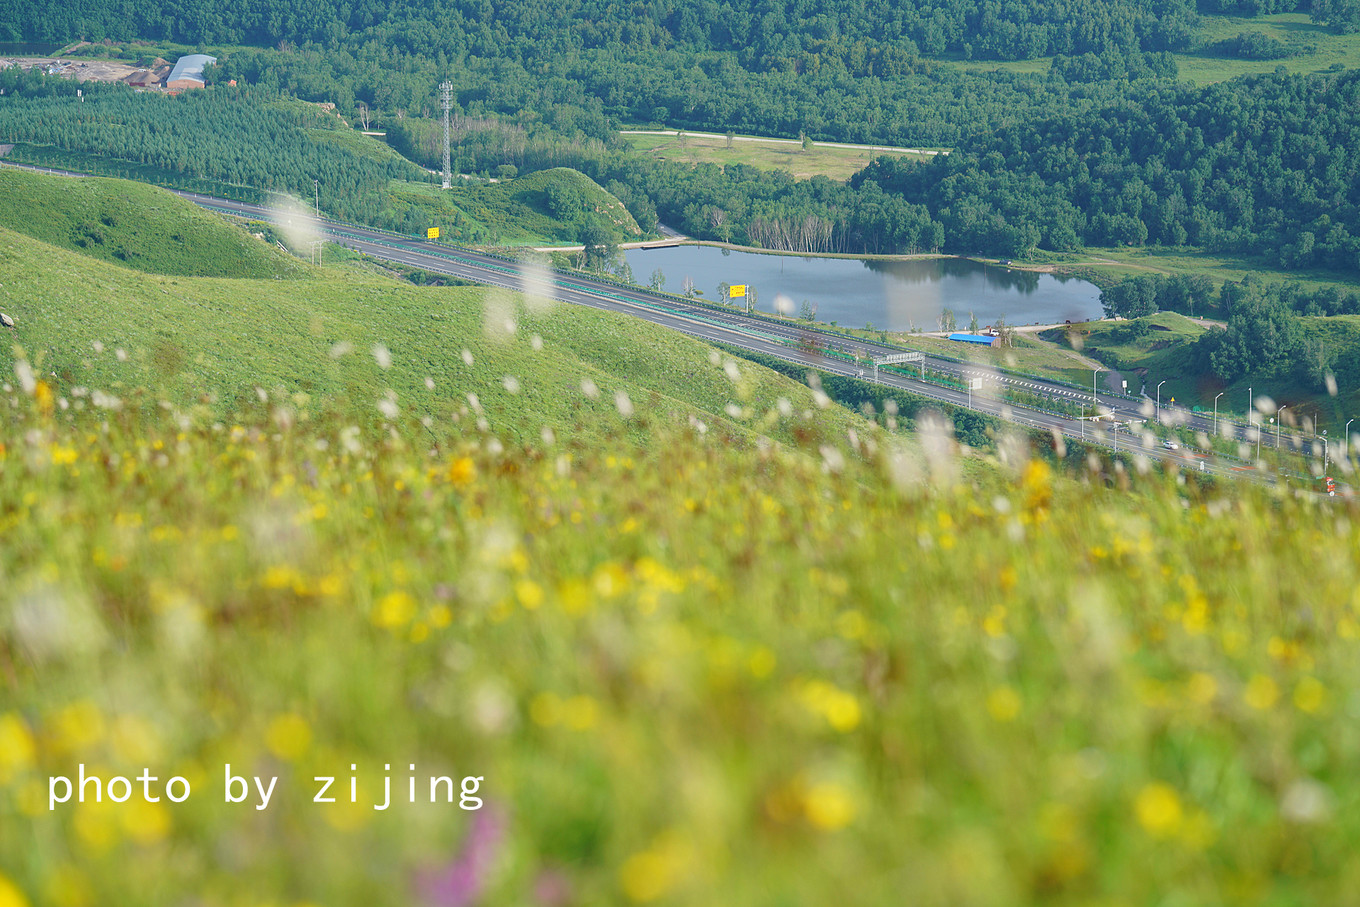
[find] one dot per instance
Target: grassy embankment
(834, 162)
(1163, 352)
(108, 327)
(686, 671)
(1026, 355)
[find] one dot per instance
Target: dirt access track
(80, 70)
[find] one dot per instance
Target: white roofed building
(188, 72)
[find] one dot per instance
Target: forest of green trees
(1268, 335)
(860, 37)
(1270, 329)
(1263, 165)
(214, 135)
(1103, 148)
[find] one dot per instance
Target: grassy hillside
(135, 225)
(517, 212)
(1160, 352)
(97, 325)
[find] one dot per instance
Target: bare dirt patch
(80, 70)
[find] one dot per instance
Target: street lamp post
(1278, 419)
(1325, 451)
(1346, 440)
(1094, 400)
(1220, 393)
(1159, 400)
(316, 196)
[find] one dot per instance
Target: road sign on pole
(895, 358)
(736, 291)
(432, 233)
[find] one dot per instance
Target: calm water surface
(896, 295)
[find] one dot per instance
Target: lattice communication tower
(446, 99)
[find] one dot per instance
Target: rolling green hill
(545, 207)
(136, 225)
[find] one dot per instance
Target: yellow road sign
(737, 291)
(432, 233)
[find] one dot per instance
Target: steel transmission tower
(446, 99)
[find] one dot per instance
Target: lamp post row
(1345, 438)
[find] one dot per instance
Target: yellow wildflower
(462, 471)
(1261, 692)
(829, 806)
(10, 895)
(288, 736)
(17, 749)
(1003, 703)
(1310, 695)
(395, 609)
(1159, 810)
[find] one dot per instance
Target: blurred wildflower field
(687, 671)
(703, 636)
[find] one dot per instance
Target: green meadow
(837, 162)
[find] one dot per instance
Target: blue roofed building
(982, 339)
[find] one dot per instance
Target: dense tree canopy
(1264, 164)
(863, 37)
(214, 135)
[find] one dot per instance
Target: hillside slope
(136, 225)
(97, 325)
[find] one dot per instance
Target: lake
(894, 295)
